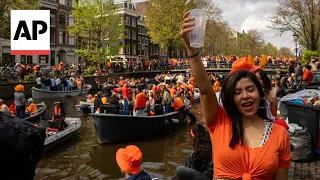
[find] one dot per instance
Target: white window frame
(54, 20)
(66, 15)
(133, 22)
(70, 19)
(65, 40)
(134, 35)
(71, 40)
(63, 2)
(128, 49)
(54, 38)
(134, 49)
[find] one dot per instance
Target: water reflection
(83, 158)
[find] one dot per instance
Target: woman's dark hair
(202, 154)
(266, 81)
(227, 94)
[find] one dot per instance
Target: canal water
(83, 158)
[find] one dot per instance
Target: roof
(141, 7)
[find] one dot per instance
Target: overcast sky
(252, 14)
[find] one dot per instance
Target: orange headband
(192, 134)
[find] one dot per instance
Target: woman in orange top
(245, 143)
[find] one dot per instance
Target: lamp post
(295, 37)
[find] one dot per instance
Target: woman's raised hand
(187, 27)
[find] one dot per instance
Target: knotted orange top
(242, 161)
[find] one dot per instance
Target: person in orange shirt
(245, 143)
(307, 75)
(35, 69)
(172, 91)
(121, 82)
(178, 104)
(12, 109)
(155, 88)
(31, 109)
(140, 103)
(216, 86)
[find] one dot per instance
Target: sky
(252, 14)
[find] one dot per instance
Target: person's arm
(208, 98)
(282, 173)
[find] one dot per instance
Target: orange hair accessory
(192, 134)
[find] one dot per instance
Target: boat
(43, 94)
(54, 139)
(85, 107)
(42, 107)
(115, 128)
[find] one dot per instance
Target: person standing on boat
(166, 100)
(97, 101)
(31, 109)
(20, 101)
(129, 160)
(139, 108)
(126, 96)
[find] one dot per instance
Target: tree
(98, 27)
(284, 51)
(301, 17)
(269, 49)
(164, 19)
(6, 6)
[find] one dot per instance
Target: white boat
(85, 107)
(53, 140)
(43, 94)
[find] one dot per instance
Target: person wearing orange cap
(129, 160)
(20, 101)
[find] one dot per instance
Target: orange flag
(250, 59)
(263, 61)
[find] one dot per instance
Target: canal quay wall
(7, 89)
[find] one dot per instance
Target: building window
(26, 59)
(70, 3)
(139, 50)
(52, 37)
(71, 40)
(127, 20)
(139, 30)
(62, 18)
(139, 39)
(121, 50)
(125, 5)
(146, 41)
(134, 50)
(129, 34)
(52, 20)
(43, 59)
(142, 40)
(134, 35)
(134, 22)
(62, 37)
(70, 19)
(128, 49)
(63, 2)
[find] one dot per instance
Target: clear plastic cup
(197, 35)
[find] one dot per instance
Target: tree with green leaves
(164, 19)
(98, 27)
(300, 17)
(6, 6)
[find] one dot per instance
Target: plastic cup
(197, 35)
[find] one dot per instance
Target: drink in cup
(197, 35)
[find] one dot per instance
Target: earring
(262, 104)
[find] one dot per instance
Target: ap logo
(30, 32)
